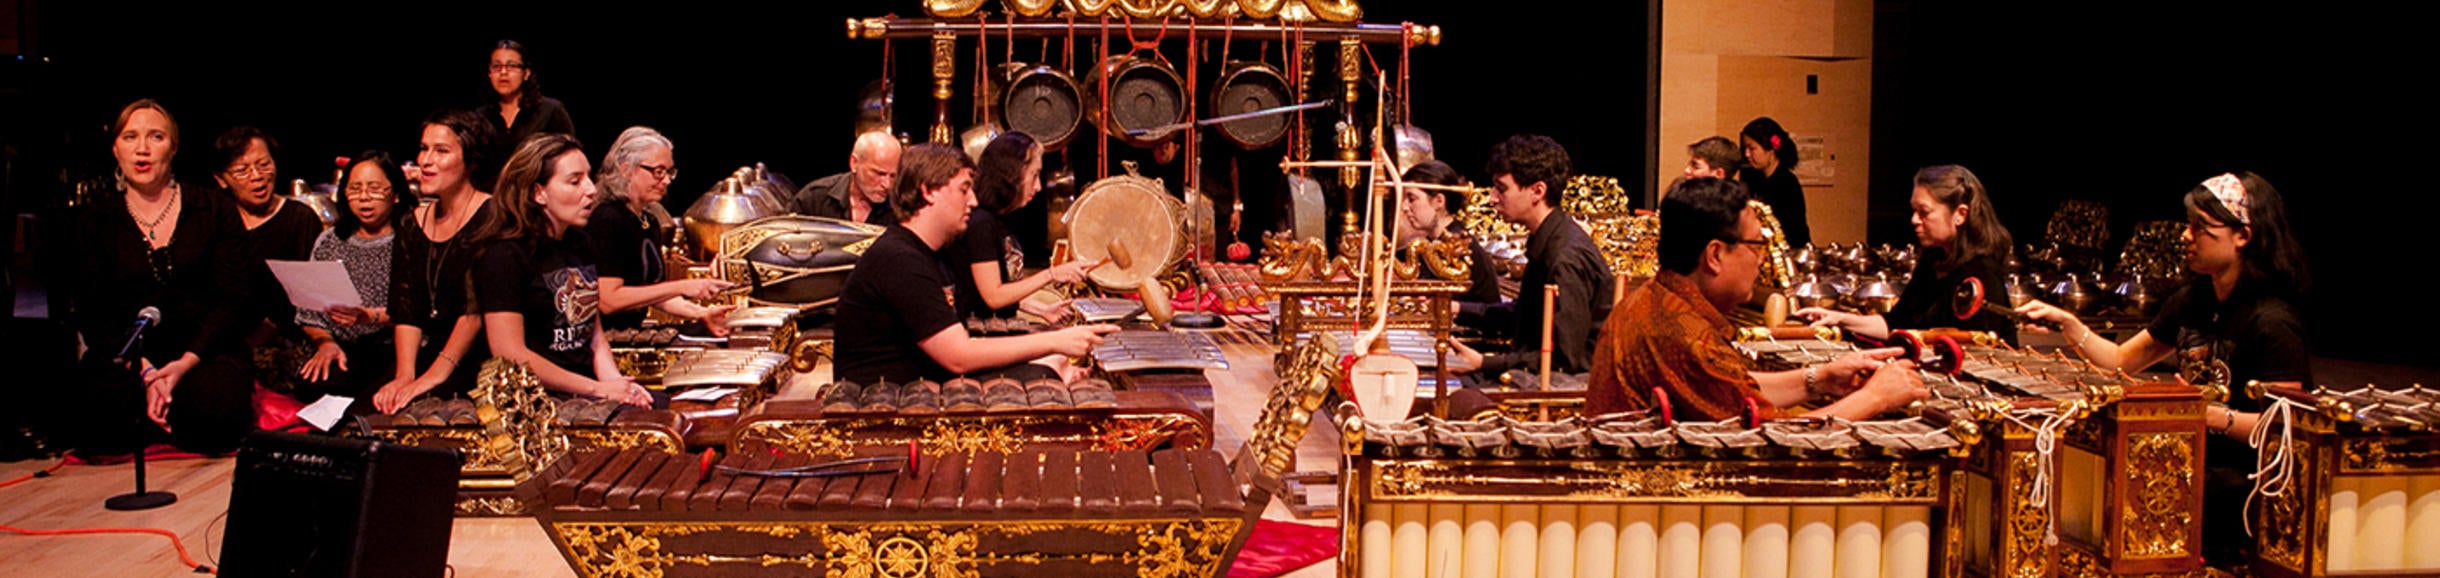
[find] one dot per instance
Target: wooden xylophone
(2356, 488)
(1171, 513)
(1632, 496)
(499, 453)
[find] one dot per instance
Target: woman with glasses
(429, 288)
(986, 259)
(626, 226)
(275, 227)
(1962, 242)
(354, 350)
(154, 248)
(2236, 321)
(537, 285)
(520, 110)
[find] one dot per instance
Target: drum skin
(800, 260)
(1133, 210)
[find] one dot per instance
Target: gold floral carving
(493, 507)
(2283, 515)
(1777, 270)
(518, 420)
(2386, 454)
(2155, 521)
(1161, 548)
(1306, 373)
(1401, 479)
(1954, 536)
(620, 439)
(2028, 523)
(945, 436)
(1146, 432)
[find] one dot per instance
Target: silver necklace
(149, 226)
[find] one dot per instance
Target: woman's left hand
(162, 381)
(625, 390)
(317, 368)
(1054, 312)
(716, 319)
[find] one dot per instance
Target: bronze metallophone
(2361, 491)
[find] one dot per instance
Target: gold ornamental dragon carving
(2155, 521)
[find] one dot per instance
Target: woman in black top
(626, 226)
(354, 353)
(520, 110)
(429, 258)
(275, 228)
(985, 260)
(1962, 238)
(154, 246)
(1770, 157)
(536, 283)
(2235, 322)
(1434, 212)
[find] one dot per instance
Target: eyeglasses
(262, 167)
(368, 189)
(667, 172)
(1759, 244)
(499, 67)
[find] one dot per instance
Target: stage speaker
(306, 505)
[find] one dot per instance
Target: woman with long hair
(2235, 321)
(429, 258)
(536, 283)
(987, 258)
(1963, 242)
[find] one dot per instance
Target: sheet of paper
(705, 394)
(326, 412)
(315, 285)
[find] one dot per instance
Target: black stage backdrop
(2045, 101)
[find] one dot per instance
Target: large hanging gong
(1144, 94)
(1043, 103)
(1247, 87)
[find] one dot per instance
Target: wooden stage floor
(479, 547)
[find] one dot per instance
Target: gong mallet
(1968, 302)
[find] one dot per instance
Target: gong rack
(1300, 24)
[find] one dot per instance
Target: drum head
(1248, 89)
(1042, 103)
(1134, 211)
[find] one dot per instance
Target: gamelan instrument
(2349, 482)
(1968, 302)
(793, 260)
(1130, 225)
(501, 450)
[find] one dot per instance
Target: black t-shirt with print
(551, 282)
(987, 240)
(2248, 337)
(899, 295)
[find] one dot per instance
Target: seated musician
(1432, 213)
(536, 283)
(2234, 323)
(1528, 172)
(1962, 239)
(862, 194)
(353, 351)
(151, 245)
(1670, 333)
(1714, 157)
(896, 319)
(987, 257)
(626, 227)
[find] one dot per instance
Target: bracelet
(445, 357)
(1812, 375)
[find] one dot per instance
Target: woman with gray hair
(626, 225)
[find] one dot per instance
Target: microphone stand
(140, 499)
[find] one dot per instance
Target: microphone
(145, 319)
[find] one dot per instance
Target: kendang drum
(1143, 94)
(1130, 225)
(1043, 103)
(1248, 87)
(793, 260)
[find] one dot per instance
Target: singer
(154, 245)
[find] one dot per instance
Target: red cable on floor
(174, 541)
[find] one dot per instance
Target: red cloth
(1277, 548)
(272, 411)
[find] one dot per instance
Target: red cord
(174, 541)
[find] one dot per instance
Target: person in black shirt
(1770, 172)
(275, 228)
(862, 194)
(1434, 212)
(2236, 321)
(521, 111)
(626, 226)
(1529, 172)
(429, 258)
(1961, 239)
(892, 327)
(985, 260)
(156, 246)
(535, 282)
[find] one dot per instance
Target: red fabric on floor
(272, 411)
(1278, 548)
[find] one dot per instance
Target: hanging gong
(1144, 94)
(1043, 103)
(1247, 87)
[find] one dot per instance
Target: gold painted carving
(951, 8)
(1630, 243)
(493, 507)
(2027, 522)
(1306, 373)
(2282, 533)
(945, 436)
(840, 437)
(620, 439)
(1162, 548)
(1400, 479)
(1776, 268)
(2385, 454)
(519, 421)
(1286, 258)
(1131, 434)
(2155, 521)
